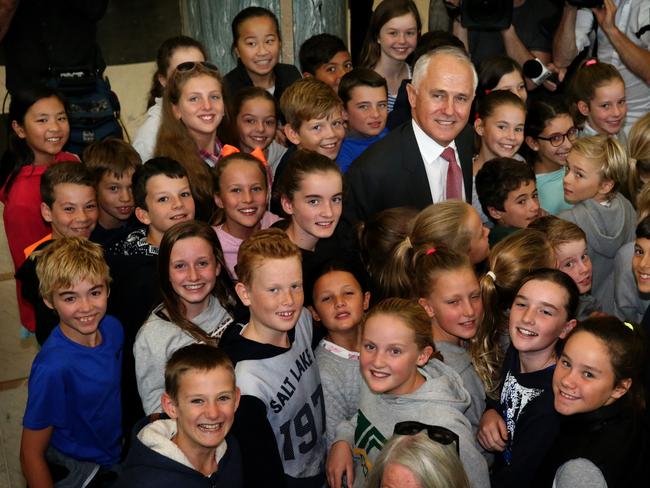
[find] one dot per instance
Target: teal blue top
(551, 192)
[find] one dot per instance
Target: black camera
(586, 3)
(482, 14)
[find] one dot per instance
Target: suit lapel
(464, 143)
(413, 163)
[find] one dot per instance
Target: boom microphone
(538, 72)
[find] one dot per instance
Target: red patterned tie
(454, 175)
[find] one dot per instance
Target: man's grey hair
(422, 65)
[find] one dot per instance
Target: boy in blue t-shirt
(365, 97)
(72, 421)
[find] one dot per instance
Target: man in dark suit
(429, 158)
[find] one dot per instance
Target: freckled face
(573, 260)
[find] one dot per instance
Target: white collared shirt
(434, 164)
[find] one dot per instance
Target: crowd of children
(207, 317)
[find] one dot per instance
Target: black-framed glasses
(436, 433)
(556, 140)
(192, 65)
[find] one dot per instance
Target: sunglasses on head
(192, 65)
(436, 433)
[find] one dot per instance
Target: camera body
(586, 3)
(486, 14)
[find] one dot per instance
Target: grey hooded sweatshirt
(441, 400)
(608, 227)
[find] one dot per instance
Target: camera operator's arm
(564, 41)
(456, 28)
(518, 51)
(636, 58)
(7, 10)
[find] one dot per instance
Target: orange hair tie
(227, 150)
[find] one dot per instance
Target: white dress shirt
(434, 164)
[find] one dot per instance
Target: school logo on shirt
(515, 398)
(366, 438)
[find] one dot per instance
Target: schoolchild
(507, 192)
(314, 114)
(39, 130)
(499, 128)
(256, 115)
(339, 300)
(569, 243)
(454, 224)
(172, 52)
(241, 192)
(639, 150)
(510, 261)
(393, 33)
(326, 58)
(113, 162)
(69, 205)
(501, 73)
(163, 197)
(377, 238)
(364, 95)
(402, 381)
(311, 194)
(633, 294)
(197, 305)
(598, 391)
(72, 418)
(192, 448)
(194, 108)
(256, 44)
(522, 425)
(449, 291)
(280, 424)
(550, 134)
(499, 124)
(597, 94)
(597, 168)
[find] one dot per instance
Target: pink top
(230, 244)
(22, 218)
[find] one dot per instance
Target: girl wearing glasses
(550, 134)
(597, 168)
(193, 108)
(401, 383)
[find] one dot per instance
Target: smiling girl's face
(200, 106)
(584, 378)
(502, 132)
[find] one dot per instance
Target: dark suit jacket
(391, 173)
